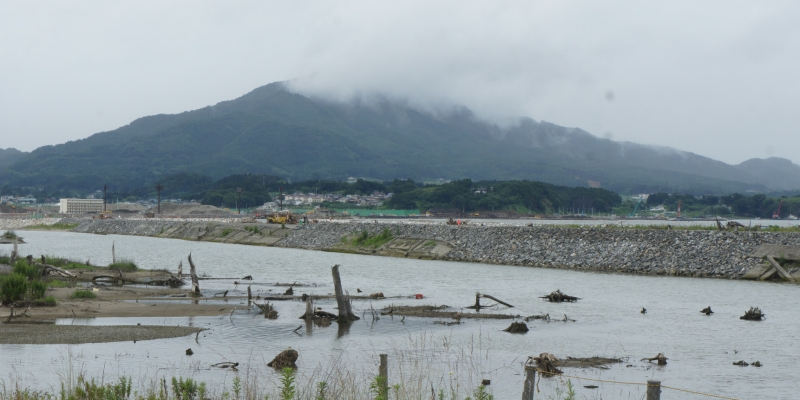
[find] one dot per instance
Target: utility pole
(280, 198)
(105, 190)
(159, 188)
(239, 193)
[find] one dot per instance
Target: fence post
(383, 374)
(530, 381)
(653, 390)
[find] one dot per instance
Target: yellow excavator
(281, 217)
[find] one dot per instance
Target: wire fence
(648, 384)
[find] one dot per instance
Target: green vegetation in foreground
(54, 227)
(364, 239)
(10, 235)
(124, 266)
(83, 294)
(190, 389)
(23, 284)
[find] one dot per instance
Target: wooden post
(309, 309)
(343, 302)
(180, 269)
(653, 390)
(249, 296)
(383, 374)
(530, 381)
(477, 301)
(113, 254)
(14, 254)
(195, 281)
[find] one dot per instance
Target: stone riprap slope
(643, 251)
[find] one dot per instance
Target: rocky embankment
(697, 253)
(641, 251)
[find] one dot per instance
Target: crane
(635, 209)
(777, 214)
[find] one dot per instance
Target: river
(608, 322)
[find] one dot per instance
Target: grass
(83, 294)
(57, 283)
(48, 301)
(252, 228)
(364, 239)
(124, 266)
(10, 235)
(57, 226)
(227, 231)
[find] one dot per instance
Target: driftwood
(644, 310)
(289, 292)
(753, 314)
(707, 311)
(342, 300)
(558, 297)
(478, 304)
(195, 282)
(662, 360)
(53, 270)
(226, 364)
(180, 268)
(286, 359)
(378, 295)
(517, 327)
(741, 363)
(545, 317)
(545, 364)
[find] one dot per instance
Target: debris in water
(517, 327)
(286, 359)
(558, 297)
(753, 314)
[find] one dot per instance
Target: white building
(81, 206)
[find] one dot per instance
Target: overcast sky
(718, 78)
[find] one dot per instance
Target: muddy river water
(608, 322)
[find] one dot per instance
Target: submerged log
(662, 360)
(753, 314)
(286, 359)
(517, 327)
(478, 304)
(707, 311)
(558, 297)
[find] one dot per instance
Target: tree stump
(286, 359)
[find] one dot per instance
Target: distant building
(594, 184)
(81, 206)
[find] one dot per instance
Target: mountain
(774, 172)
(274, 131)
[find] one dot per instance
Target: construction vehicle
(777, 214)
(281, 217)
(104, 215)
(635, 209)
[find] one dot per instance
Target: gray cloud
(715, 78)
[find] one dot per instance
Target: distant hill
(273, 131)
(774, 172)
(10, 156)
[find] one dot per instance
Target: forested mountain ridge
(274, 131)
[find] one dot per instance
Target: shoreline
(628, 250)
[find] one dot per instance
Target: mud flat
(77, 334)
